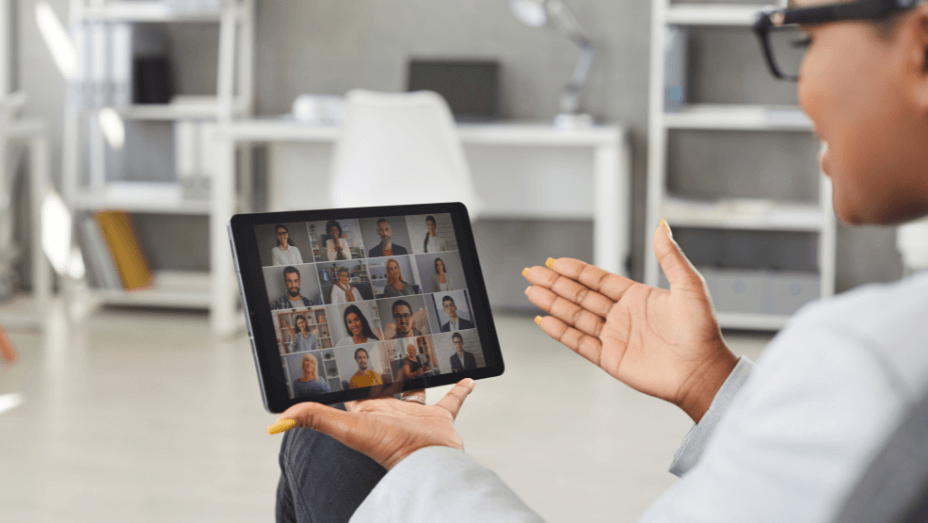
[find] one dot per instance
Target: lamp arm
(567, 23)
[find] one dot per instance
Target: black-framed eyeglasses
(784, 43)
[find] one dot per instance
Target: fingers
(564, 270)
(587, 346)
(328, 420)
(570, 313)
(455, 398)
(679, 271)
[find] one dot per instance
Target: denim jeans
(321, 480)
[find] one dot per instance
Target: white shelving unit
(726, 214)
(234, 97)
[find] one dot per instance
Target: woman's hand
(386, 429)
(290, 330)
(664, 343)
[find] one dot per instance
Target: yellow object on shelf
(123, 243)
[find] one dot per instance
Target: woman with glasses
(285, 252)
(785, 441)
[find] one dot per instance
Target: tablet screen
(367, 301)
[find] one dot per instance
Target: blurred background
(132, 129)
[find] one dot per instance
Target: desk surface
(494, 133)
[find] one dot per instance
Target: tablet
(347, 304)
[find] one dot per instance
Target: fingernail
(664, 223)
(538, 320)
(525, 272)
(281, 426)
(550, 263)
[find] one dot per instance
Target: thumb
(679, 271)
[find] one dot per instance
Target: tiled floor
(140, 416)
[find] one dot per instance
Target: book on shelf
(675, 49)
(104, 64)
(101, 268)
(120, 237)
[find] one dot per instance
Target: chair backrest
(399, 149)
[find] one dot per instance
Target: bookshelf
(86, 187)
(726, 214)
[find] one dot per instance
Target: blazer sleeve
(442, 484)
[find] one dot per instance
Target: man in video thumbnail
(292, 299)
(386, 247)
(402, 315)
(461, 360)
(454, 322)
(364, 377)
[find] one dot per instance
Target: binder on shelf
(675, 68)
(120, 51)
(97, 256)
(123, 243)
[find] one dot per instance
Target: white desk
(32, 133)
(610, 212)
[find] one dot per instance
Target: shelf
(756, 214)
(174, 289)
(740, 320)
(712, 14)
(149, 11)
(733, 117)
(140, 197)
(193, 108)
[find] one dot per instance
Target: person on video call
(304, 340)
(405, 324)
(396, 285)
(433, 242)
(386, 247)
(441, 280)
(293, 299)
(285, 252)
(461, 360)
(412, 366)
(336, 246)
(343, 291)
(364, 377)
(310, 383)
(455, 323)
(785, 441)
(359, 330)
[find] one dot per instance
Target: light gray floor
(140, 416)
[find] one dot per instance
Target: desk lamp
(535, 13)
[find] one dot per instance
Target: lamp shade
(530, 12)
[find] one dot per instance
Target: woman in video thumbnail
(396, 285)
(359, 330)
(285, 252)
(336, 247)
(304, 340)
(433, 242)
(309, 383)
(343, 291)
(443, 282)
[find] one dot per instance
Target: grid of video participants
(364, 302)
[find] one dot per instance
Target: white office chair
(399, 149)
(912, 243)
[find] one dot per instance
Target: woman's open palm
(665, 343)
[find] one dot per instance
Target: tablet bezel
(259, 317)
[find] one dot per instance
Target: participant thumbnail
(311, 373)
(345, 281)
(450, 311)
(431, 233)
(363, 366)
(385, 236)
(293, 286)
(356, 324)
(394, 276)
(459, 351)
(441, 271)
(403, 317)
(413, 357)
(336, 240)
(302, 330)
(283, 244)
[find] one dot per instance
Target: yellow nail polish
(525, 272)
(281, 426)
(550, 263)
(538, 320)
(664, 223)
